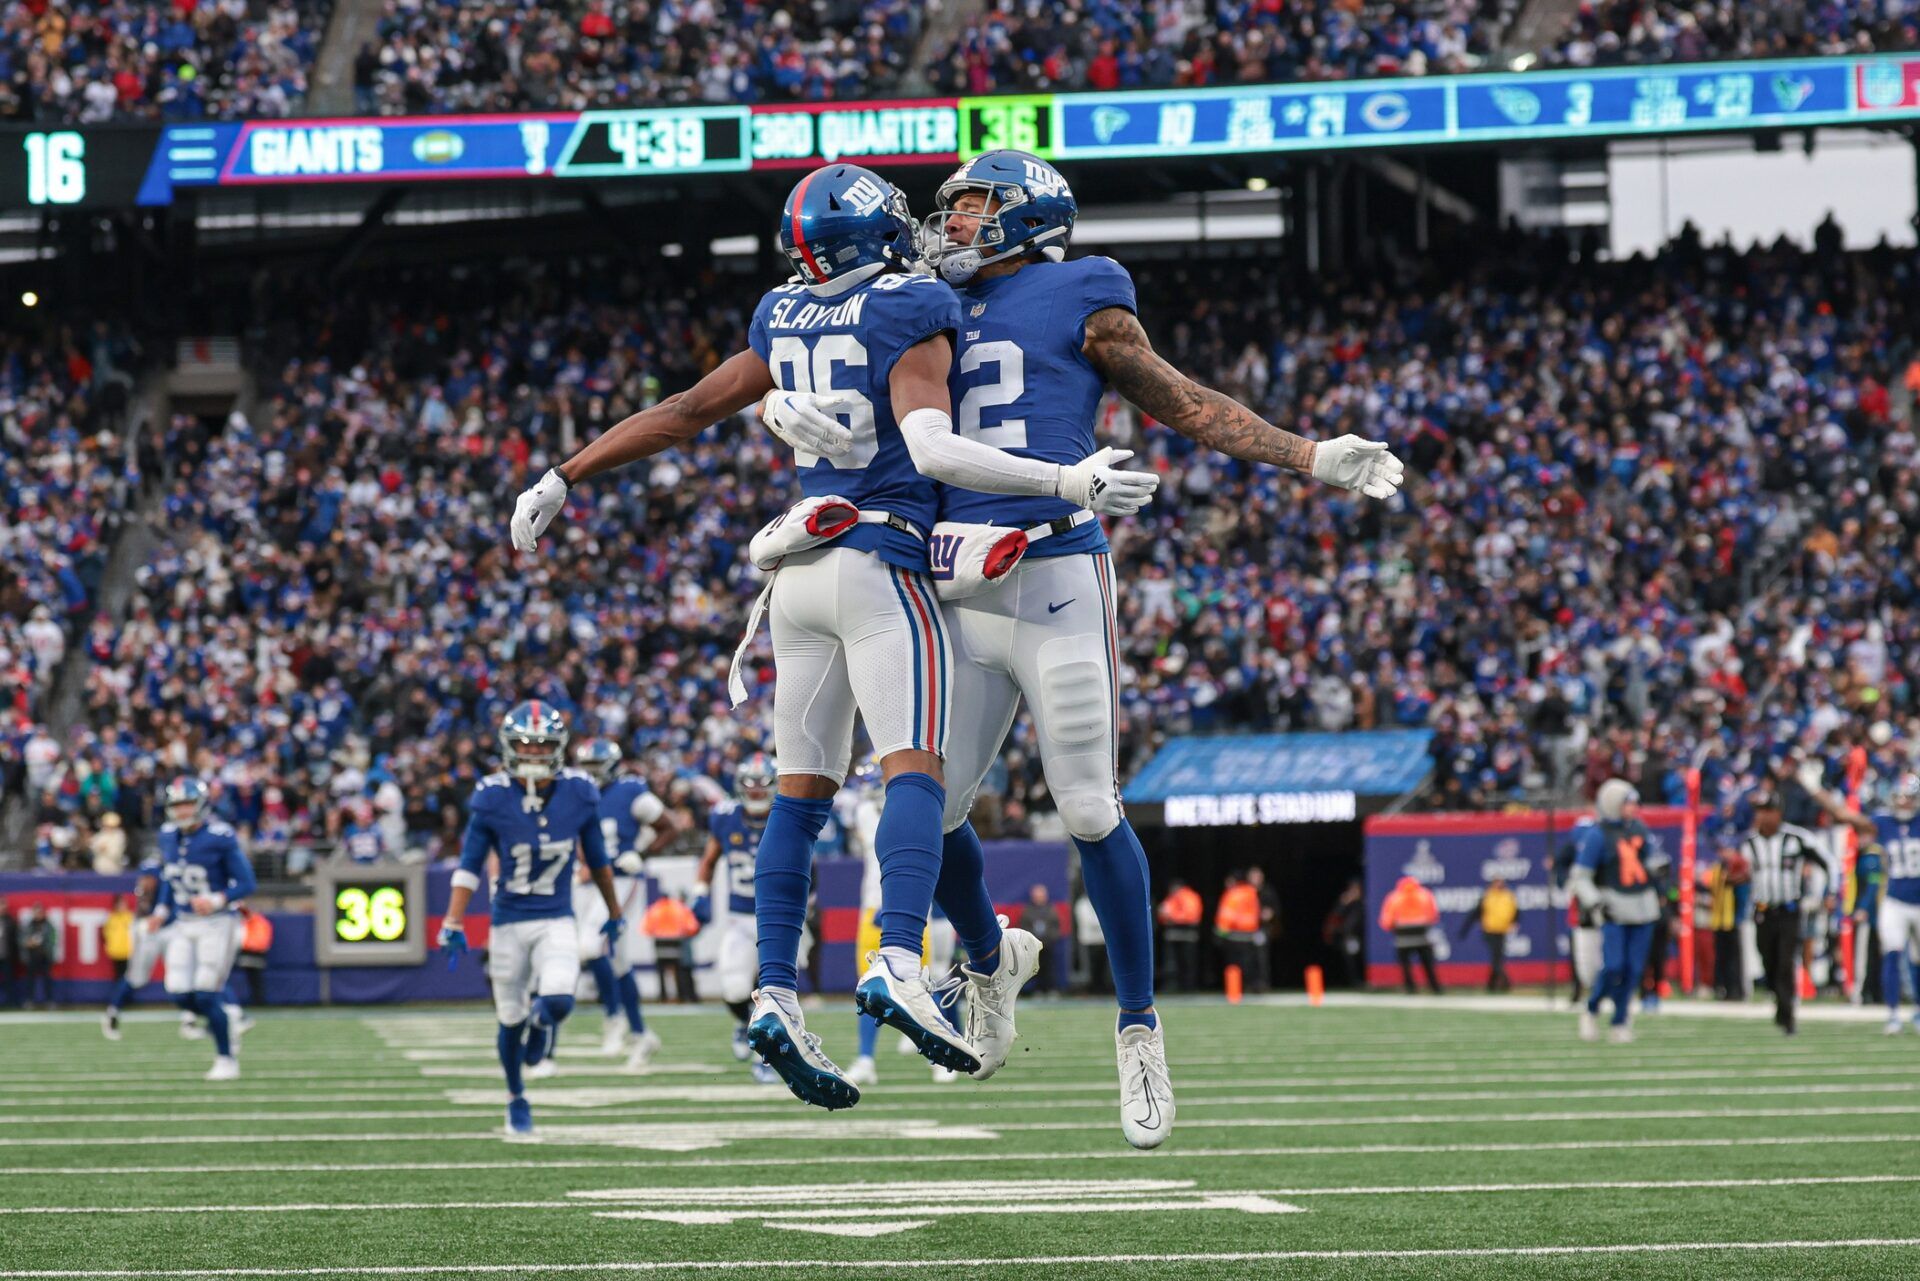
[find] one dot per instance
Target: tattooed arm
(1118, 348)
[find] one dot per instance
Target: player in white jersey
(859, 335)
(1027, 580)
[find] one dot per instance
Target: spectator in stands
(1040, 918)
(1496, 915)
(108, 846)
(1180, 914)
(1409, 913)
(39, 948)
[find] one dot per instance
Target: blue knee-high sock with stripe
(782, 878)
(908, 845)
(629, 987)
(962, 894)
(1115, 871)
(117, 998)
(1892, 971)
(602, 970)
(209, 1005)
(510, 1041)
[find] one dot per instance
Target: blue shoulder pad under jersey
(1900, 838)
(535, 839)
(850, 343)
(1022, 383)
(739, 838)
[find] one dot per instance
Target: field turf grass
(1367, 1139)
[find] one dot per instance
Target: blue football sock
(208, 1003)
(1114, 869)
(629, 989)
(908, 844)
(962, 894)
(1890, 975)
(869, 1034)
(188, 1001)
(553, 1010)
(782, 878)
(117, 998)
(602, 970)
(510, 1041)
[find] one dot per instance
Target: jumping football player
(856, 625)
(533, 815)
(628, 813)
(1040, 340)
(725, 875)
(203, 878)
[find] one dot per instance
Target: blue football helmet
(1028, 209)
(597, 758)
(533, 742)
(843, 224)
(1905, 799)
(185, 803)
(754, 783)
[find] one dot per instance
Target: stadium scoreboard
(369, 914)
(153, 165)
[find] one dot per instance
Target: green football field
(1368, 1139)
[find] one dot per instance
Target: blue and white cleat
(1146, 1087)
(990, 998)
(778, 1034)
(519, 1119)
(904, 1001)
(740, 1047)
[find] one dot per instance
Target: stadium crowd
(1617, 32)
(90, 63)
(1659, 510)
(569, 56)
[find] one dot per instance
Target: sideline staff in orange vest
(1410, 914)
(1237, 921)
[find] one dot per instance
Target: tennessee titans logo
(1517, 105)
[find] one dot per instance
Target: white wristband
(465, 880)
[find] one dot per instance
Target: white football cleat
(110, 1025)
(1146, 1087)
(645, 1045)
(990, 998)
(614, 1039)
(1894, 1027)
(894, 990)
(1589, 1026)
(864, 1071)
(190, 1029)
(225, 1068)
(1620, 1034)
(542, 1070)
(778, 1034)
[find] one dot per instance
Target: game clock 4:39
(369, 915)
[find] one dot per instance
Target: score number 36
(381, 915)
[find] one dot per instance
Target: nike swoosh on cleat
(1152, 1119)
(1054, 609)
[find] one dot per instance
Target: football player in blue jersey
(628, 813)
(532, 815)
(1897, 830)
(149, 945)
(204, 876)
(850, 364)
(725, 877)
(1040, 340)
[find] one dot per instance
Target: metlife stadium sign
(119, 165)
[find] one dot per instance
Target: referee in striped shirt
(1781, 856)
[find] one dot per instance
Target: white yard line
(788, 1266)
(879, 1201)
(1180, 1153)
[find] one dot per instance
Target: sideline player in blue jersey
(628, 812)
(1040, 338)
(850, 364)
(203, 878)
(1897, 829)
(531, 816)
(725, 877)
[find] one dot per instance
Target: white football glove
(1096, 482)
(805, 420)
(536, 509)
(1363, 466)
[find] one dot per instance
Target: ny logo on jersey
(941, 551)
(865, 196)
(1045, 180)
